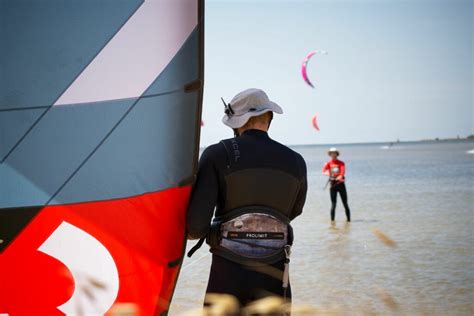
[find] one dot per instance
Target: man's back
(254, 151)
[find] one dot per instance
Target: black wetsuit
(341, 188)
(256, 150)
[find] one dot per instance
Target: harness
(251, 236)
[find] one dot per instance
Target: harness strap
(227, 153)
(286, 272)
(232, 150)
(196, 247)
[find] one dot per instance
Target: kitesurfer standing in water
(256, 187)
(336, 170)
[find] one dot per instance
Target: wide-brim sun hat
(247, 104)
(333, 150)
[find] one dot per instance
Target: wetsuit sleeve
(203, 197)
(301, 197)
(326, 168)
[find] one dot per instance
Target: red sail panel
(132, 230)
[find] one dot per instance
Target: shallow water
(421, 195)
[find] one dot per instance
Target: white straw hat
(246, 104)
(333, 150)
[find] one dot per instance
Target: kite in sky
(304, 66)
(314, 121)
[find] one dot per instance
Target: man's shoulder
(213, 150)
(299, 158)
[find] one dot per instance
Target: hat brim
(237, 121)
(334, 151)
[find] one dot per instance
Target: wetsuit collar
(256, 133)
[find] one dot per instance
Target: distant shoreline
(469, 138)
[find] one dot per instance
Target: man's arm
(203, 198)
(301, 198)
(326, 169)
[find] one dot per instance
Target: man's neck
(256, 127)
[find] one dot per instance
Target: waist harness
(252, 236)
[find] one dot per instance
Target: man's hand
(340, 178)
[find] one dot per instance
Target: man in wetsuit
(253, 186)
(336, 170)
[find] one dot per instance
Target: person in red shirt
(336, 169)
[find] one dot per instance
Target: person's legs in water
(333, 193)
(343, 193)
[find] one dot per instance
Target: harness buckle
(287, 252)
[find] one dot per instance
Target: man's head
(250, 109)
(261, 122)
(333, 153)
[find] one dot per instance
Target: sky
(394, 69)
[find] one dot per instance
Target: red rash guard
(335, 168)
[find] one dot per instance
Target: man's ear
(270, 118)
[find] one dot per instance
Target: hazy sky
(395, 69)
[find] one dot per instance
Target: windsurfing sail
(100, 111)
